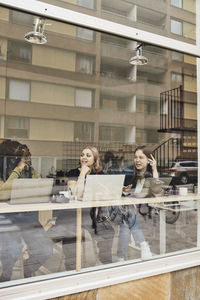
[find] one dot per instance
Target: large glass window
(62, 101)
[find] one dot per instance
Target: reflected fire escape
(172, 120)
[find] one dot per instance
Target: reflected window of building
(177, 3)
(176, 80)
(146, 135)
(83, 131)
(112, 134)
(176, 27)
(19, 51)
(146, 106)
(17, 127)
(83, 98)
(85, 34)
(20, 18)
(85, 64)
(18, 90)
(86, 3)
(177, 56)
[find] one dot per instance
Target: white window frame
(64, 285)
(96, 23)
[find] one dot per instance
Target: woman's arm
(5, 187)
(77, 187)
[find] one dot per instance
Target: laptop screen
(103, 187)
(31, 190)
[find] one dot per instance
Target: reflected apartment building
(79, 88)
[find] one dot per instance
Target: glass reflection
(78, 90)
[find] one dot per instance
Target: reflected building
(79, 88)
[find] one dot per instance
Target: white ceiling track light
(37, 35)
(139, 59)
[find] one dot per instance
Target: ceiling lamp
(139, 59)
(37, 35)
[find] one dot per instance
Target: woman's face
(87, 158)
(140, 160)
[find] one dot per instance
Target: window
(147, 106)
(176, 80)
(112, 134)
(85, 64)
(17, 127)
(149, 135)
(86, 3)
(177, 56)
(83, 98)
(176, 27)
(19, 90)
(177, 3)
(83, 132)
(19, 51)
(86, 34)
(17, 17)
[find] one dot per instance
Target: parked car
(184, 172)
(128, 170)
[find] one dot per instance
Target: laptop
(31, 190)
(103, 187)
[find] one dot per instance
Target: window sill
(49, 287)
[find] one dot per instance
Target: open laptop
(31, 190)
(103, 187)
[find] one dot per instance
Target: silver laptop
(31, 190)
(103, 187)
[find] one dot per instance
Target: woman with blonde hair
(100, 230)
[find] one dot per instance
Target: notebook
(103, 187)
(31, 190)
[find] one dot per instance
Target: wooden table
(5, 207)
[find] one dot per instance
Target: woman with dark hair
(144, 186)
(102, 233)
(15, 162)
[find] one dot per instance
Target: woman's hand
(152, 162)
(126, 188)
(85, 170)
(153, 165)
(21, 165)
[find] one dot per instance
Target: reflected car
(128, 170)
(184, 172)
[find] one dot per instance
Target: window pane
(86, 3)
(19, 51)
(19, 90)
(17, 127)
(83, 98)
(176, 27)
(177, 3)
(77, 93)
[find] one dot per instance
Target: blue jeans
(125, 234)
(38, 243)
(66, 224)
